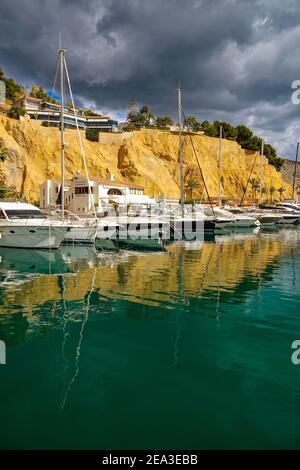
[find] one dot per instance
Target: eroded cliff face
(147, 157)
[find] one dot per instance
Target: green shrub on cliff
(12, 88)
(92, 135)
(15, 112)
(3, 151)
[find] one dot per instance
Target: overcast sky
(236, 59)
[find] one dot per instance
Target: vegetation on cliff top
(241, 134)
(144, 117)
(13, 90)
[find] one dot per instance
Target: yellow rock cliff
(146, 157)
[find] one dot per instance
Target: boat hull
(32, 236)
(106, 244)
(141, 244)
(82, 235)
(288, 220)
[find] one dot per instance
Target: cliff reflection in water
(37, 283)
(188, 348)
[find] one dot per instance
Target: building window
(114, 192)
(83, 190)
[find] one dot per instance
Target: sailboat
(237, 219)
(81, 231)
(200, 219)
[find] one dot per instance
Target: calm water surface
(185, 349)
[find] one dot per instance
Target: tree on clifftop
(39, 92)
(141, 118)
(90, 112)
(209, 129)
(163, 121)
(192, 124)
(244, 135)
(12, 88)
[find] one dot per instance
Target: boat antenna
(198, 163)
(295, 171)
(180, 150)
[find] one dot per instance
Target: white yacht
(81, 231)
(264, 217)
(238, 219)
(289, 206)
(134, 231)
(23, 225)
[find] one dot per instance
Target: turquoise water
(187, 349)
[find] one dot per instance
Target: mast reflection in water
(188, 348)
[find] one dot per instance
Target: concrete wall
(113, 138)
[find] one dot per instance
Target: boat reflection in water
(143, 277)
(18, 265)
(106, 335)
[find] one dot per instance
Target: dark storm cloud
(235, 59)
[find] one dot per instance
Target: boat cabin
(19, 211)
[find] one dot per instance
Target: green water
(187, 349)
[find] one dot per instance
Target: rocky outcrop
(288, 172)
(146, 157)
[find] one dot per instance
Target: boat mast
(220, 167)
(295, 171)
(62, 60)
(261, 171)
(180, 151)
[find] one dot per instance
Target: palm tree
(264, 190)
(192, 124)
(191, 185)
(272, 190)
(281, 191)
(163, 121)
(254, 185)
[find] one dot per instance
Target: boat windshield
(24, 214)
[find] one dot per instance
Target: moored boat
(23, 225)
